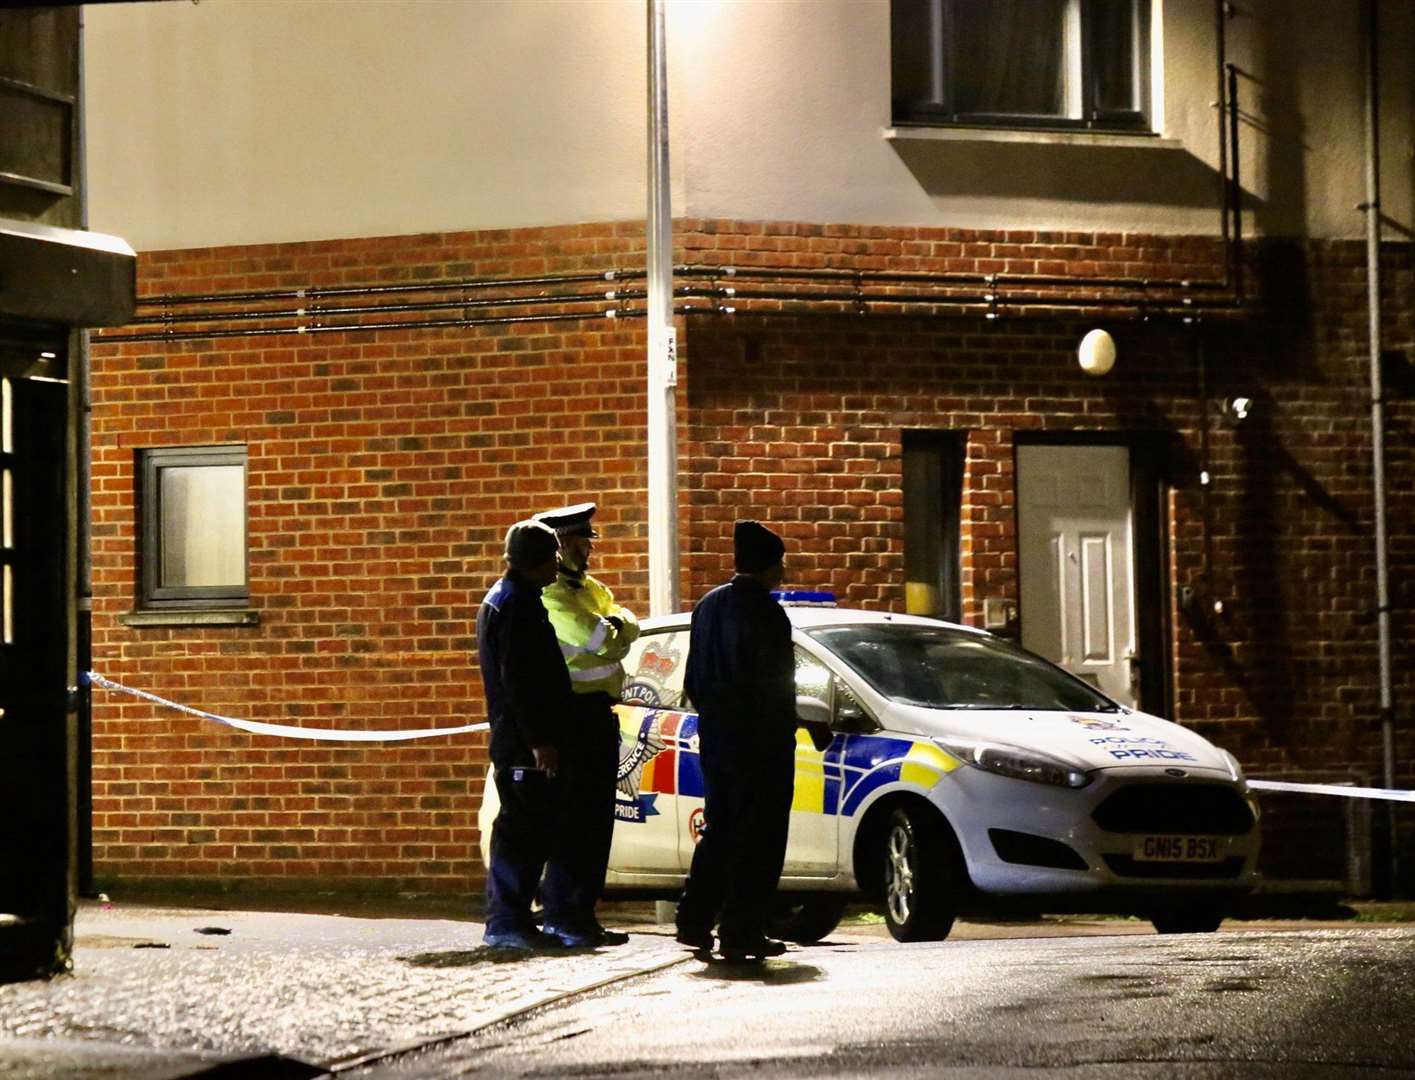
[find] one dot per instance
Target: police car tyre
(1199, 919)
(806, 917)
(922, 876)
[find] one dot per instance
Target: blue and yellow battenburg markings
(882, 760)
(835, 782)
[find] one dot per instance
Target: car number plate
(1188, 849)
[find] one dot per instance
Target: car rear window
(943, 668)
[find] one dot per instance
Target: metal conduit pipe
(1157, 296)
(974, 306)
(1236, 186)
(949, 278)
(83, 529)
(661, 367)
(412, 324)
(1222, 10)
(973, 311)
(316, 312)
(1372, 208)
(1027, 299)
(359, 309)
(378, 290)
(693, 270)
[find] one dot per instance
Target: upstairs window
(193, 527)
(1062, 64)
(39, 79)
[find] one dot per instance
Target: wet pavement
(159, 992)
(1246, 1003)
(163, 992)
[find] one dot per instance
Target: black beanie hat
(530, 544)
(755, 547)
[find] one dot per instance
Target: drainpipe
(1221, 14)
(1372, 209)
(1235, 182)
(662, 336)
(83, 528)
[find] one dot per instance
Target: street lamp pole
(662, 336)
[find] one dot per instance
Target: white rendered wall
(244, 121)
(781, 106)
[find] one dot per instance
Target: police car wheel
(805, 917)
(1200, 919)
(921, 877)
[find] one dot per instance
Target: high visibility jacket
(592, 647)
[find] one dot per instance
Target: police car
(960, 774)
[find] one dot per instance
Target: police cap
(570, 520)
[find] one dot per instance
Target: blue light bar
(803, 598)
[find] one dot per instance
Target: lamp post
(662, 336)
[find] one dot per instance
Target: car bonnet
(1087, 740)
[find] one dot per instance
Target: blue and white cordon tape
(290, 731)
(1393, 794)
(286, 731)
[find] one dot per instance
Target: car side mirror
(811, 710)
(813, 714)
(855, 721)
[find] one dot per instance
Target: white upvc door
(1076, 561)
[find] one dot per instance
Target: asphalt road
(1239, 1003)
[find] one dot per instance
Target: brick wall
(385, 466)
(384, 469)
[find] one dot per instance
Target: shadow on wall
(1263, 664)
(1269, 115)
(1159, 175)
(1265, 567)
(1282, 342)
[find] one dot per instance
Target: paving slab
(177, 991)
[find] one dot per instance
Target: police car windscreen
(941, 668)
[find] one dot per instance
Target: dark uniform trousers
(521, 839)
(562, 826)
(589, 765)
(749, 777)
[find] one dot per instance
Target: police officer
(595, 634)
(741, 678)
(528, 699)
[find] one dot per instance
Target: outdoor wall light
(1237, 408)
(1096, 353)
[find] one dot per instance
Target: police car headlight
(1019, 764)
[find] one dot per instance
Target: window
(193, 526)
(38, 99)
(933, 500)
(1022, 63)
(937, 667)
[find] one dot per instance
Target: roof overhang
(53, 277)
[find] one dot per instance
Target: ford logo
(1175, 772)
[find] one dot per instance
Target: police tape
(1392, 794)
(290, 731)
(285, 731)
